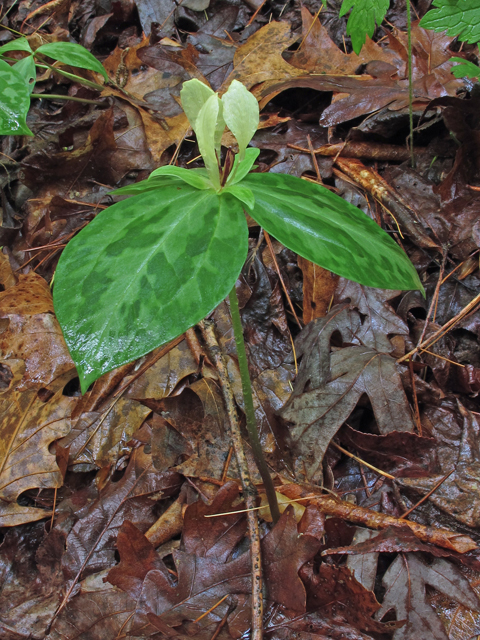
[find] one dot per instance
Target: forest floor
(370, 424)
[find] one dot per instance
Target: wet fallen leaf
(405, 583)
(31, 331)
(28, 425)
(458, 495)
(335, 385)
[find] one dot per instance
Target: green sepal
(20, 44)
(72, 54)
(242, 193)
(14, 102)
(325, 229)
(241, 168)
(144, 271)
(190, 176)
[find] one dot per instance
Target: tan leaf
(27, 428)
(32, 333)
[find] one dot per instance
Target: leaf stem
(53, 96)
(249, 408)
(71, 76)
(410, 80)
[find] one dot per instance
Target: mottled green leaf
(241, 114)
(20, 44)
(190, 176)
(366, 14)
(14, 102)
(465, 69)
(145, 270)
(327, 230)
(27, 69)
(241, 168)
(457, 17)
(73, 54)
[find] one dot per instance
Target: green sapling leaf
(465, 69)
(241, 114)
(73, 54)
(20, 44)
(14, 101)
(457, 17)
(144, 271)
(190, 176)
(329, 231)
(366, 14)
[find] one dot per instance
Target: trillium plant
(153, 265)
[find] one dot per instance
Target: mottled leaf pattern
(144, 271)
(14, 102)
(325, 229)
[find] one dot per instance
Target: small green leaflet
(327, 230)
(465, 69)
(14, 102)
(73, 54)
(144, 271)
(363, 19)
(20, 44)
(457, 17)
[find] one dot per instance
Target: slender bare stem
(249, 408)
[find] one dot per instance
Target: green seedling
(18, 80)
(151, 266)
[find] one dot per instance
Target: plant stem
(71, 76)
(53, 96)
(410, 80)
(249, 408)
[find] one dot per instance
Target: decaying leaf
(28, 425)
(328, 388)
(405, 582)
(458, 495)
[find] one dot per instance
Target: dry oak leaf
(459, 494)
(27, 428)
(90, 543)
(99, 611)
(380, 319)
(318, 413)
(260, 58)
(405, 583)
(204, 580)
(29, 331)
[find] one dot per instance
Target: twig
(277, 269)
(360, 461)
(249, 491)
(425, 497)
(446, 327)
